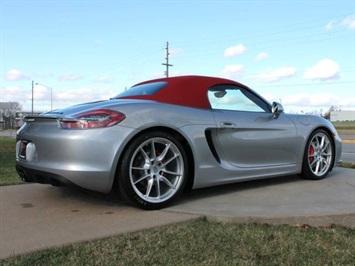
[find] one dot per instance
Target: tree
(8, 113)
(331, 109)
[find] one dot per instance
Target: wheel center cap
(155, 169)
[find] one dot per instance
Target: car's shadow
(196, 194)
(237, 186)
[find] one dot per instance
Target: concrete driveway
(34, 217)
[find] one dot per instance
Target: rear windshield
(145, 89)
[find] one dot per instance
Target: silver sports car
(163, 136)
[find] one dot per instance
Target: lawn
(208, 243)
(345, 128)
(8, 174)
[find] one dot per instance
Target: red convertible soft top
(188, 91)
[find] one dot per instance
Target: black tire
(318, 156)
(153, 171)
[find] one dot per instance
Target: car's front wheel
(153, 170)
(318, 156)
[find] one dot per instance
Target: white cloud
(277, 74)
(13, 94)
(261, 56)
(175, 52)
(235, 50)
(330, 25)
(103, 79)
(309, 101)
(24, 95)
(349, 22)
(325, 69)
(232, 71)
(41, 92)
(15, 75)
(85, 94)
(60, 98)
(69, 77)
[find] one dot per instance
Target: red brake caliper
(310, 152)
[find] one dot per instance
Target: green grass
(208, 243)
(348, 165)
(345, 128)
(8, 174)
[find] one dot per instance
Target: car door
(247, 134)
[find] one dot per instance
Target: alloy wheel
(156, 170)
(320, 154)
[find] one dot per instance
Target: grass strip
(208, 243)
(8, 174)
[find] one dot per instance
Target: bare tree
(8, 113)
(327, 113)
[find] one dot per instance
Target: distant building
(342, 116)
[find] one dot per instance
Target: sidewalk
(35, 217)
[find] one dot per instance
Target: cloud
(349, 22)
(261, 56)
(15, 75)
(13, 93)
(235, 50)
(277, 74)
(85, 94)
(23, 95)
(69, 77)
(330, 25)
(175, 52)
(41, 92)
(233, 71)
(103, 79)
(307, 99)
(325, 69)
(317, 100)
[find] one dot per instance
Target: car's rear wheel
(318, 156)
(153, 171)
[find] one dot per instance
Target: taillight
(93, 119)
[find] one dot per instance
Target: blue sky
(301, 53)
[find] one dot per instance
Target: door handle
(228, 125)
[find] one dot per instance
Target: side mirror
(276, 109)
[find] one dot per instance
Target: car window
(144, 89)
(226, 97)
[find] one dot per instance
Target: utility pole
(32, 97)
(167, 60)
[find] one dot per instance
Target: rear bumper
(85, 158)
(95, 181)
(35, 176)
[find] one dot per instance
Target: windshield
(144, 89)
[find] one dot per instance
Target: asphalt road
(35, 217)
(348, 153)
